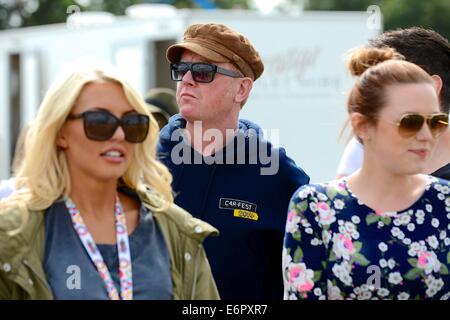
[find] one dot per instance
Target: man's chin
(188, 114)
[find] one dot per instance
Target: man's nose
(187, 78)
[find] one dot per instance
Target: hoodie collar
(246, 128)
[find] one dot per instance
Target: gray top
(72, 275)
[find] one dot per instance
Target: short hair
(424, 47)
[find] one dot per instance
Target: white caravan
(299, 100)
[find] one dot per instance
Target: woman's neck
(385, 191)
(93, 197)
(96, 203)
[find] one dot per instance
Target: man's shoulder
(290, 169)
(443, 172)
(174, 220)
(179, 225)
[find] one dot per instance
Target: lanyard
(123, 249)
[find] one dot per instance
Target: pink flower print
(428, 262)
(92, 247)
(291, 215)
(292, 222)
(326, 214)
(123, 246)
(341, 186)
(306, 286)
(386, 214)
(423, 261)
(300, 278)
(343, 246)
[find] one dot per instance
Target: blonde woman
(94, 217)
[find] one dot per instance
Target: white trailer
(299, 100)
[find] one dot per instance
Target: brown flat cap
(219, 43)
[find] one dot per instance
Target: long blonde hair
(43, 176)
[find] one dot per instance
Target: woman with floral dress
(382, 232)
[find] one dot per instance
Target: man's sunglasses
(201, 72)
(100, 125)
(411, 123)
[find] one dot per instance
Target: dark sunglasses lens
(179, 70)
(411, 123)
(439, 123)
(203, 72)
(135, 127)
(99, 125)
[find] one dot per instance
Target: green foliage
(55, 11)
(371, 219)
(297, 236)
(184, 4)
(397, 13)
(413, 274)
(443, 270)
(412, 262)
(116, 7)
(341, 5)
(360, 259)
(298, 255)
(428, 14)
(386, 220)
(331, 193)
(302, 206)
(232, 4)
(317, 276)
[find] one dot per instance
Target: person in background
(431, 51)
(162, 104)
(7, 187)
(383, 231)
(93, 217)
(351, 159)
(224, 170)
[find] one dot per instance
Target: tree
(432, 14)
(341, 5)
(13, 12)
(19, 13)
(397, 13)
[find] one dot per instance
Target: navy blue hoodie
(249, 208)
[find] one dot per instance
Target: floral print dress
(336, 247)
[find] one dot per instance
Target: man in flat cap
(224, 170)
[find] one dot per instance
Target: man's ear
(245, 86)
(438, 83)
(360, 126)
(61, 140)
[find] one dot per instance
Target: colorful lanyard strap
(123, 248)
